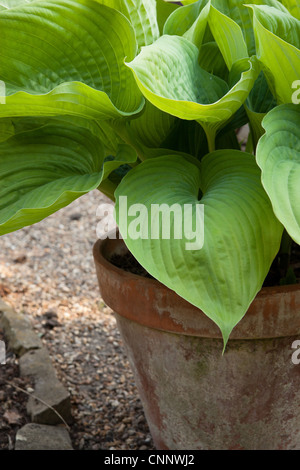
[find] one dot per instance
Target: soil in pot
(277, 275)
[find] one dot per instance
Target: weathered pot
(193, 397)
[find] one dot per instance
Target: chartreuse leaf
(8, 4)
(293, 6)
(142, 14)
(143, 17)
(169, 76)
(197, 32)
(278, 155)
(184, 2)
(183, 18)
(164, 10)
(67, 57)
(278, 48)
(241, 233)
(238, 12)
(229, 37)
(45, 169)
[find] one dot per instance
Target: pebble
(57, 282)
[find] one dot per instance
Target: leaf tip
(226, 331)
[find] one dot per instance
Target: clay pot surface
(193, 396)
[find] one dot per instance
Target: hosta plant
(143, 100)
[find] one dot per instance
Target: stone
(42, 437)
(18, 330)
(47, 388)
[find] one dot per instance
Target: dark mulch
(12, 401)
(128, 263)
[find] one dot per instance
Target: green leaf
(238, 120)
(103, 130)
(164, 10)
(6, 129)
(260, 99)
(191, 93)
(281, 24)
(241, 233)
(141, 14)
(278, 48)
(228, 36)
(183, 18)
(8, 4)
(293, 6)
(186, 2)
(187, 137)
(124, 155)
(43, 170)
(259, 102)
(211, 60)
(46, 167)
(151, 128)
(66, 57)
(197, 32)
(237, 11)
(143, 17)
(278, 155)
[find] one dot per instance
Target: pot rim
(275, 311)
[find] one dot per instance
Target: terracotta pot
(193, 397)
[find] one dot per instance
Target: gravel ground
(47, 271)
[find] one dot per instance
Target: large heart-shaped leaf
(278, 155)
(45, 169)
(277, 37)
(191, 93)
(67, 57)
(241, 233)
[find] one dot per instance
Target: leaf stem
(108, 188)
(211, 138)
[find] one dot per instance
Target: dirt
(128, 263)
(12, 401)
(277, 275)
